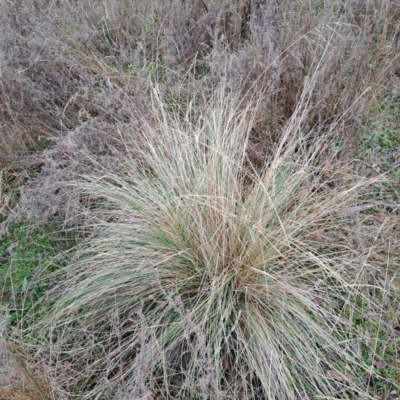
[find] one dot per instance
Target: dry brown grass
(85, 70)
(65, 65)
(21, 377)
(76, 95)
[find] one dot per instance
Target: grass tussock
(231, 245)
(207, 278)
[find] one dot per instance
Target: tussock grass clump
(207, 278)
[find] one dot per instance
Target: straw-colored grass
(232, 252)
(207, 278)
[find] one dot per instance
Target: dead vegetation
(83, 86)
